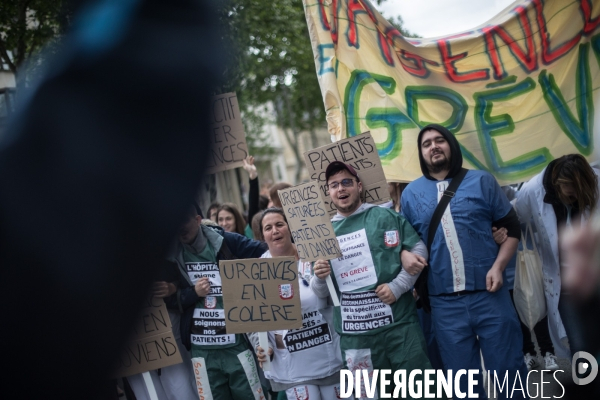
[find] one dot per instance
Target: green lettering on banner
(489, 126)
(454, 123)
(485, 85)
(358, 80)
(454, 99)
(578, 131)
(394, 121)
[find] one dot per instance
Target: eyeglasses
(348, 182)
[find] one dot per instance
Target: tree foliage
(267, 45)
(271, 61)
(28, 25)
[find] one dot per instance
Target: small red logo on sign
(286, 291)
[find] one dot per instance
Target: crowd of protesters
(440, 275)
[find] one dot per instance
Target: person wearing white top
(305, 362)
(565, 194)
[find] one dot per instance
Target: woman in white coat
(564, 194)
(306, 362)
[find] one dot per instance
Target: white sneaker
(550, 361)
(531, 361)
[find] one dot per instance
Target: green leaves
(272, 62)
(26, 26)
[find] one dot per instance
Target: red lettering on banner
(527, 60)
(334, 28)
(590, 24)
(354, 6)
(323, 16)
(419, 69)
(386, 43)
(549, 55)
(449, 59)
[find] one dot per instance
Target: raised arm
(254, 192)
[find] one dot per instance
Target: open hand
(250, 167)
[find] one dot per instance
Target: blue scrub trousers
(484, 321)
(433, 352)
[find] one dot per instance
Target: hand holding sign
(322, 269)
(264, 359)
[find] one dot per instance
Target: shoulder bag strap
(441, 207)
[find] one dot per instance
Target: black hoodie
(456, 159)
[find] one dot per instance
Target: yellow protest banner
(517, 91)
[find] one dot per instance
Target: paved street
(546, 384)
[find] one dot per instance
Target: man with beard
(471, 309)
(382, 258)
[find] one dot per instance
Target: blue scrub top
(478, 202)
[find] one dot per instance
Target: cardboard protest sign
(360, 152)
(517, 91)
(309, 222)
(153, 345)
(261, 294)
(227, 137)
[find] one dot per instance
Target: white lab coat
(530, 206)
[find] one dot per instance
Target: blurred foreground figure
(564, 194)
(97, 171)
(581, 249)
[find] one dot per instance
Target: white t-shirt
(313, 351)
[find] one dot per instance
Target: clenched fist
(202, 287)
